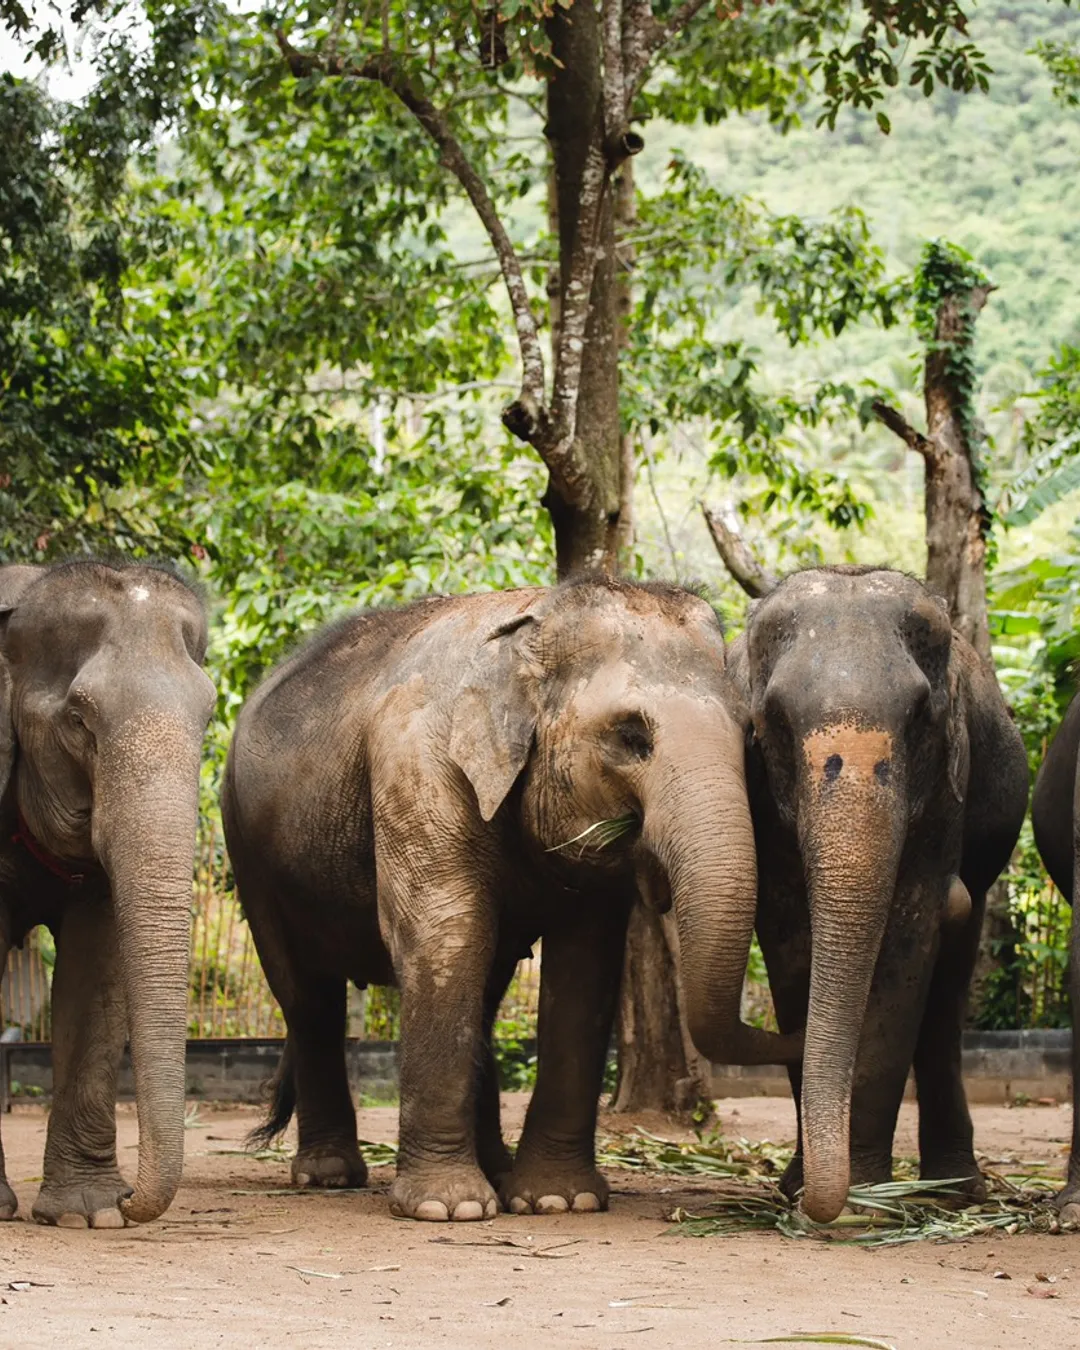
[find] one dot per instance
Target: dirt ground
(234, 1264)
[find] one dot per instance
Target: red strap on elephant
(57, 866)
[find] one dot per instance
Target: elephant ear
(494, 718)
(7, 725)
(14, 579)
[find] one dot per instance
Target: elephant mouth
(599, 838)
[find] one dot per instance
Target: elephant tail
(282, 1092)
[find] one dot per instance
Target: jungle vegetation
(342, 303)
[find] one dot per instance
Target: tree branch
(614, 81)
(645, 36)
(914, 440)
(527, 416)
(735, 553)
(559, 454)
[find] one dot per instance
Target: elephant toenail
(106, 1218)
(586, 1203)
(551, 1204)
(6, 1212)
(303, 1178)
(72, 1221)
(519, 1206)
(432, 1211)
(491, 1208)
(468, 1211)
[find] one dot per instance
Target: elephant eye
(75, 716)
(635, 735)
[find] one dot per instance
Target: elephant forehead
(860, 748)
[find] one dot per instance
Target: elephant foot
(1067, 1201)
(970, 1191)
(8, 1202)
(334, 1166)
(548, 1188)
(444, 1192)
(90, 1203)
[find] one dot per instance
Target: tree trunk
(956, 516)
(586, 535)
(659, 1068)
(957, 521)
(625, 258)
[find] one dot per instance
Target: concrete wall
(999, 1066)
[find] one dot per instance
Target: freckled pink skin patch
(860, 750)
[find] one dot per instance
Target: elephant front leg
(1068, 1198)
(946, 1137)
(442, 970)
(82, 1185)
(8, 1202)
(896, 1010)
(581, 963)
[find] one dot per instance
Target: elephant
(422, 793)
(887, 786)
(1055, 817)
(103, 708)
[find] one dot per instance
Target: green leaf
(1049, 492)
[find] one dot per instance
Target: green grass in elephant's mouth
(598, 836)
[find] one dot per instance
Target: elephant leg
(946, 1140)
(82, 1186)
(313, 1005)
(581, 964)
(891, 1028)
(327, 1152)
(783, 931)
(494, 1157)
(8, 1203)
(1068, 1198)
(443, 970)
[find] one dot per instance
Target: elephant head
(103, 708)
(857, 707)
(611, 704)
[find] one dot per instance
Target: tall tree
(435, 93)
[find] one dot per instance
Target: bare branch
(648, 36)
(614, 81)
(735, 553)
(526, 417)
(890, 417)
(573, 317)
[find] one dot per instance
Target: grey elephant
(1055, 816)
(103, 707)
(421, 793)
(888, 786)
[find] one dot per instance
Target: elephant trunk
(697, 825)
(146, 800)
(851, 835)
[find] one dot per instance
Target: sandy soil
(235, 1264)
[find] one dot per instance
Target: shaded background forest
(246, 321)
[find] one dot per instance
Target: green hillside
(998, 174)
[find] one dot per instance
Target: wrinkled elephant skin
(420, 794)
(103, 707)
(887, 785)
(1055, 816)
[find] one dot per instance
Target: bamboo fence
(229, 997)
